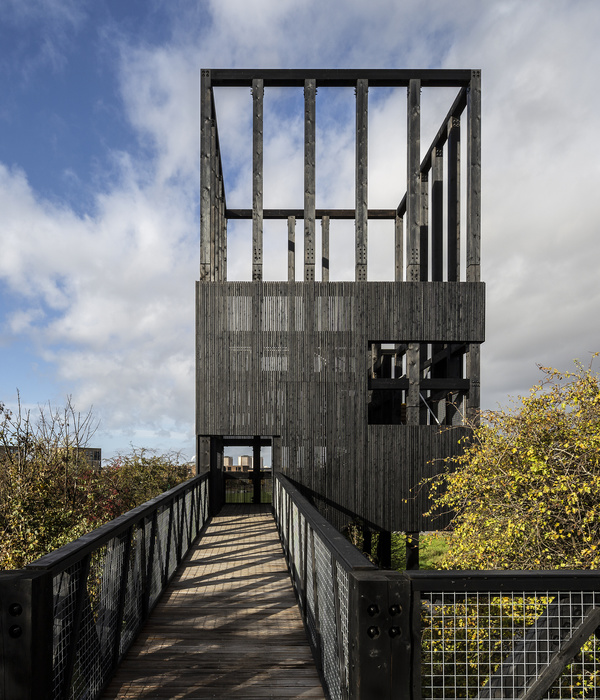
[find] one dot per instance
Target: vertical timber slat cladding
(359, 384)
(293, 361)
(361, 179)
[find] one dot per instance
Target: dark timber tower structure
(356, 385)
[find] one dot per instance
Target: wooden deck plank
(228, 626)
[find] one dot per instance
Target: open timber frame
(358, 386)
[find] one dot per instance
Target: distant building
(244, 464)
(93, 456)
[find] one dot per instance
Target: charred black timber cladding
(288, 359)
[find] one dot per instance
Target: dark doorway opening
(247, 469)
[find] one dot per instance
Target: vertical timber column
(437, 214)
(223, 240)
(454, 199)
(413, 364)
(362, 185)
(256, 467)
(413, 208)
(325, 249)
(217, 476)
(474, 177)
(291, 248)
(257, 179)
(310, 92)
(474, 225)
(215, 228)
(438, 367)
(205, 174)
(424, 229)
(399, 249)
(413, 231)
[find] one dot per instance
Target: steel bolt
(373, 632)
(373, 610)
(395, 609)
(15, 631)
(15, 609)
(394, 632)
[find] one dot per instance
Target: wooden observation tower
(356, 385)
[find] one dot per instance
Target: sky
(99, 181)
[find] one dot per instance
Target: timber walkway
(228, 625)
(168, 602)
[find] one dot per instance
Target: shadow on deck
(228, 625)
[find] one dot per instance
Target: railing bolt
(373, 610)
(15, 631)
(395, 609)
(15, 609)
(373, 632)
(394, 632)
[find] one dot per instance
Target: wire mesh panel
(327, 602)
(499, 645)
(65, 586)
(343, 605)
(132, 606)
(161, 536)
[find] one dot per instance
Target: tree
(526, 489)
(134, 478)
(50, 495)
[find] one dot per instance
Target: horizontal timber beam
(390, 77)
(319, 213)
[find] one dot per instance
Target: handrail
(62, 557)
(67, 619)
(437, 634)
(354, 613)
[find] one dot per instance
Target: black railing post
(149, 566)
(181, 528)
(26, 621)
(368, 637)
(403, 630)
(169, 544)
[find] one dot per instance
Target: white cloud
(107, 296)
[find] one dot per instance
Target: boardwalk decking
(228, 626)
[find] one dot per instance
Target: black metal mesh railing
(438, 635)
(509, 635)
(105, 584)
(323, 565)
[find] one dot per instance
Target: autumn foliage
(50, 494)
(526, 489)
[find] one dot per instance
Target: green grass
(432, 548)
